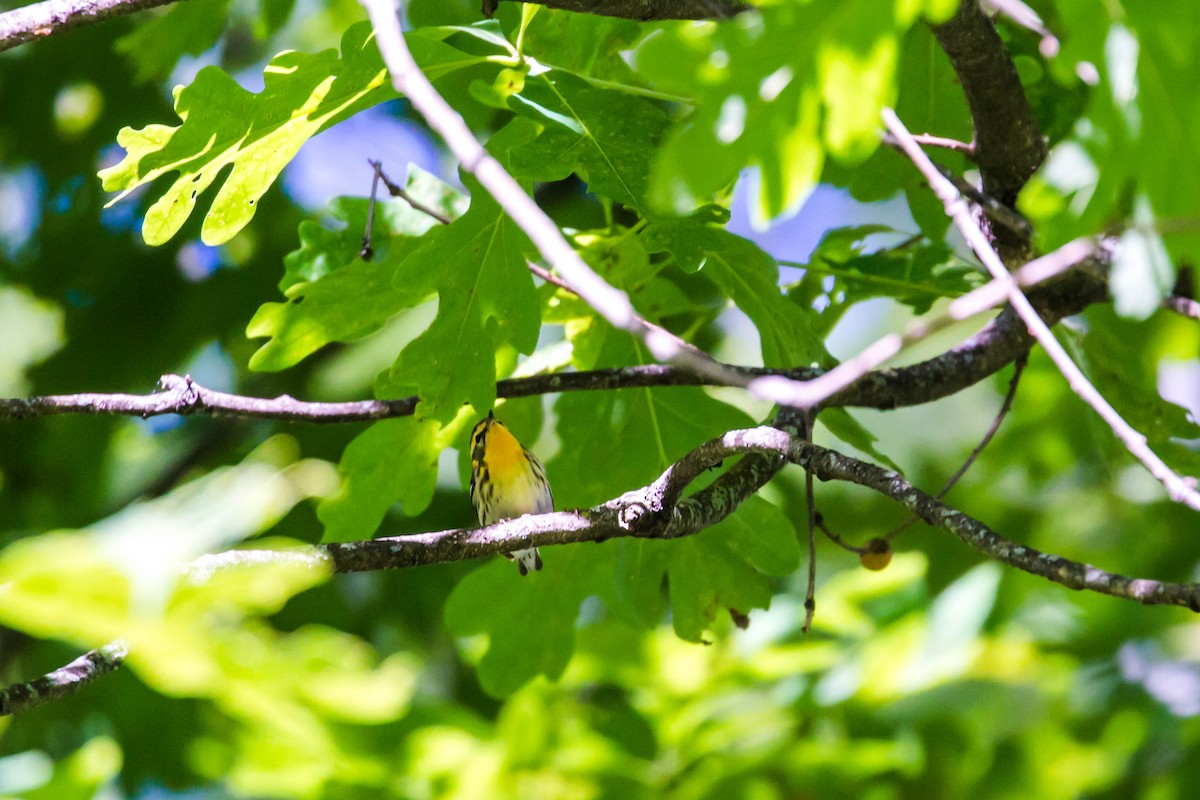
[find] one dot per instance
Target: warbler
(507, 481)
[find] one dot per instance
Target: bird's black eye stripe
(477, 437)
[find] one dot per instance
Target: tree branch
(649, 512)
(1183, 306)
(643, 10)
(830, 465)
(1009, 146)
(653, 512)
(995, 346)
(1181, 490)
(1008, 143)
(182, 395)
(991, 294)
(63, 681)
(52, 17)
(646, 513)
(997, 212)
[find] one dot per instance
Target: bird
(507, 481)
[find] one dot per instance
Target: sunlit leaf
(257, 134)
(779, 90)
(333, 294)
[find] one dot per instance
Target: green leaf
(844, 269)
(200, 634)
(606, 136)
(84, 587)
(856, 67)
(930, 99)
(60, 585)
(726, 566)
(273, 14)
(1113, 356)
(955, 621)
(81, 775)
(394, 460)
(750, 277)
(762, 535)
(187, 28)
(342, 307)
(258, 134)
(323, 251)
(705, 577)
(335, 296)
(485, 296)
(735, 126)
(1140, 137)
(587, 45)
(1057, 100)
(930, 11)
(777, 90)
(632, 436)
(845, 427)
(723, 567)
(529, 620)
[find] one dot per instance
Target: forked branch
(649, 512)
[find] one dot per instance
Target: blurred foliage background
(617, 672)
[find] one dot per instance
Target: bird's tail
(526, 560)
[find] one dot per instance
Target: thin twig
(366, 251)
(810, 595)
(1027, 18)
(965, 148)
(548, 276)
(182, 395)
(995, 210)
(396, 190)
(812, 393)
(1183, 305)
(833, 537)
(1179, 489)
(929, 140)
(641, 9)
(1005, 407)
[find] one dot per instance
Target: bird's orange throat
(502, 451)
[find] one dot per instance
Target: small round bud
(877, 554)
